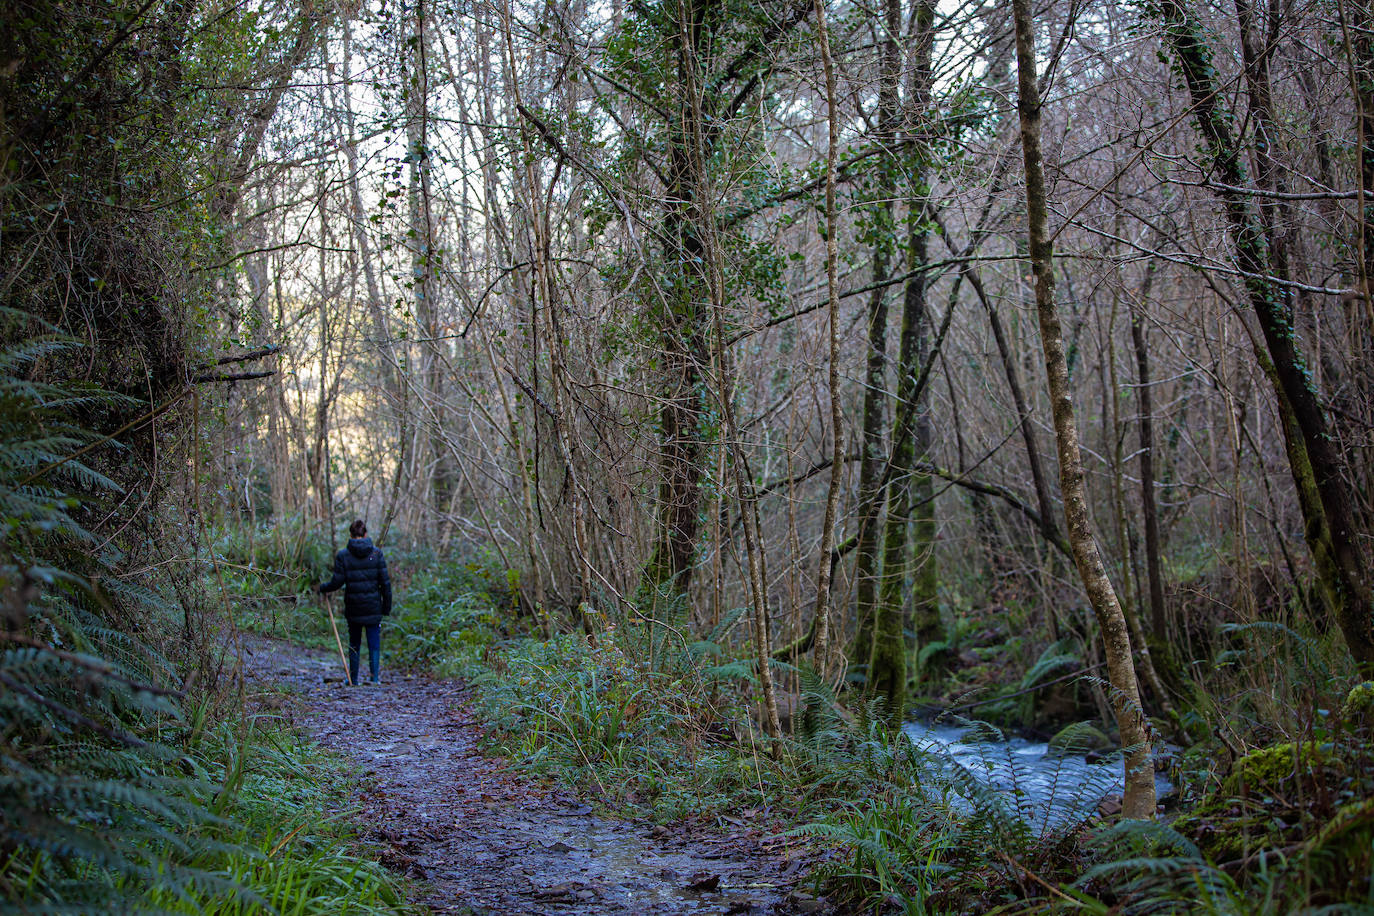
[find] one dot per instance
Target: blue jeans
(374, 649)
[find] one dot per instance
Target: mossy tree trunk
(909, 532)
(821, 625)
(872, 460)
(926, 626)
(682, 329)
(1318, 470)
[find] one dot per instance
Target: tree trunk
(701, 218)
(1360, 35)
(925, 624)
(394, 381)
(1318, 471)
(682, 336)
(1139, 799)
(1149, 508)
(832, 495)
(872, 458)
(1126, 538)
(909, 532)
(1356, 402)
(424, 254)
(526, 464)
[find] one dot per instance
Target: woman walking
(360, 569)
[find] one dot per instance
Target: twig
(259, 353)
(284, 840)
(1039, 880)
(1023, 692)
(232, 377)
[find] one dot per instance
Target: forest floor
(481, 838)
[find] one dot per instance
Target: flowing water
(1044, 787)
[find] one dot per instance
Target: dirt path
(484, 840)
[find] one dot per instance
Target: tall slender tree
(1139, 801)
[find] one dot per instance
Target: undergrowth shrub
(269, 571)
(443, 614)
(661, 737)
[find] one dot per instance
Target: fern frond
(1057, 657)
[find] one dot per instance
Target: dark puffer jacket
(362, 568)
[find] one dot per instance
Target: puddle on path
(484, 840)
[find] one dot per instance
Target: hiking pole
(329, 609)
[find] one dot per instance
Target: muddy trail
(483, 839)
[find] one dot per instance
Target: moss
(1341, 855)
(1079, 738)
(1271, 770)
(1358, 710)
(1263, 803)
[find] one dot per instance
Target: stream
(1043, 787)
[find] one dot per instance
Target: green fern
(90, 799)
(1149, 867)
(1057, 657)
(1312, 656)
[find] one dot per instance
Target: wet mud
(480, 838)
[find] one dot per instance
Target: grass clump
(663, 737)
(279, 838)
